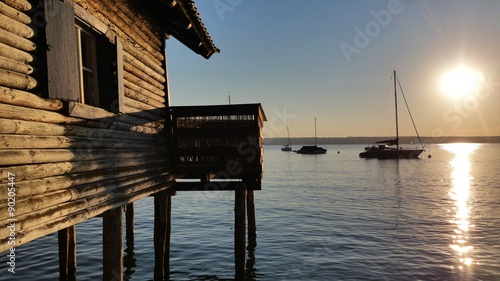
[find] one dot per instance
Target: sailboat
(312, 149)
(288, 145)
(390, 149)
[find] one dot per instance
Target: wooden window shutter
(62, 46)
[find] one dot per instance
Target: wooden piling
(129, 225)
(162, 228)
(67, 253)
(239, 231)
(112, 250)
(252, 225)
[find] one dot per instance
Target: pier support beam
(239, 231)
(129, 262)
(129, 226)
(162, 229)
(67, 254)
(252, 225)
(112, 239)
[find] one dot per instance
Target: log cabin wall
(69, 158)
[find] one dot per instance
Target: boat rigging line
(407, 107)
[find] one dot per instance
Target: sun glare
(461, 82)
(460, 193)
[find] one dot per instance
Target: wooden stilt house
(86, 127)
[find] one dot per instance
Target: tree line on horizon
(371, 140)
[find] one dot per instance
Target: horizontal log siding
(16, 35)
(12, 65)
(16, 54)
(21, 5)
(13, 13)
(99, 10)
(16, 41)
(129, 19)
(67, 214)
(141, 22)
(134, 88)
(71, 168)
(30, 114)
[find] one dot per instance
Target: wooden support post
(67, 253)
(252, 225)
(129, 218)
(112, 248)
(239, 231)
(129, 262)
(162, 228)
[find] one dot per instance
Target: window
(84, 58)
(96, 68)
(87, 67)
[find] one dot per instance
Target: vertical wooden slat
(239, 231)
(112, 245)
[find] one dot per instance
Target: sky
(333, 61)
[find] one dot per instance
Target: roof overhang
(180, 19)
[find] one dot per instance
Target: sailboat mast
(315, 132)
(288, 134)
(396, 106)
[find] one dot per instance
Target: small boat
(311, 149)
(390, 149)
(383, 151)
(288, 146)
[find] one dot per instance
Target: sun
(461, 82)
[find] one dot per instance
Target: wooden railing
(218, 142)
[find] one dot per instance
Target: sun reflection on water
(460, 193)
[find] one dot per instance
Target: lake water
(321, 217)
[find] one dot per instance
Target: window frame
(87, 70)
(63, 57)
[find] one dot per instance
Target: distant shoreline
(370, 140)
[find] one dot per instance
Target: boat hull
(312, 149)
(392, 154)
